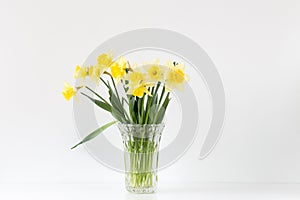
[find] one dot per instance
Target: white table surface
(210, 191)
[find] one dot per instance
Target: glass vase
(141, 152)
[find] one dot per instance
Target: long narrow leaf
(101, 104)
(117, 106)
(161, 112)
(95, 93)
(160, 115)
(131, 109)
(117, 115)
(95, 133)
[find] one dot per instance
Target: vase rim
(141, 125)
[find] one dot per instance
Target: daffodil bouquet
(138, 96)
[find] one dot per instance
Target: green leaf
(101, 104)
(139, 110)
(131, 109)
(152, 113)
(160, 115)
(160, 112)
(115, 102)
(95, 133)
(118, 110)
(96, 94)
(167, 100)
(124, 100)
(117, 115)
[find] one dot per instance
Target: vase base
(141, 190)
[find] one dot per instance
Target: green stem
(104, 83)
(142, 109)
(112, 79)
(142, 173)
(150, 101)
(162, 94)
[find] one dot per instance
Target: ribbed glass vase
(141, 152)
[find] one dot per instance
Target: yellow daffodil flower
(80, 72)
(175, 77)
(118, 69)
(140, 90)
(135, 75)
(91, 70)
(155, 72)
(95, 72)
(105, 59)
(68, 91)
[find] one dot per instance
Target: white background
(254, 44)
